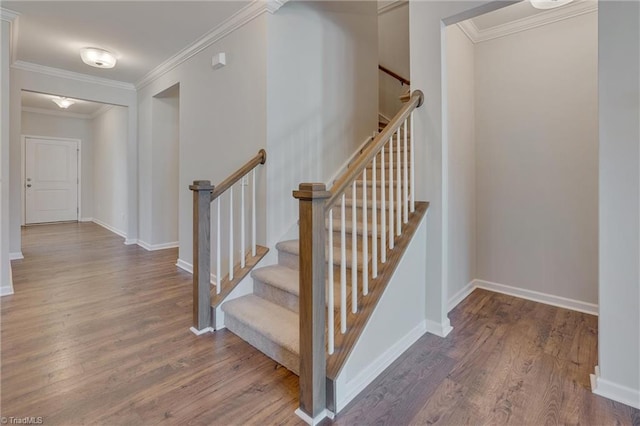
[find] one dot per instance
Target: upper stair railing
(398, 77)
(380, 180)
(206, 298)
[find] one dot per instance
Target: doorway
(51, 184)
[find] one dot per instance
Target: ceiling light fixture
(98, 58)
(549, 4)
(63, 102)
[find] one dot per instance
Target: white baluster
(374, 218)
(354, 251)
(405, 180)
(231, 233)
(391, 199)
(253, 213)
(412, 168)
(330, 312)
(398, 186)
(218, 267)
(365, 236)
(383, 211)
(242, 219)
(343, 268)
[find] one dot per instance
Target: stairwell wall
(321, 98)
(393, 53)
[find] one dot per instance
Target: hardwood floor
(97, 333)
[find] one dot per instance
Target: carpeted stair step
(288, 254)
(281, 285)
(268, 327)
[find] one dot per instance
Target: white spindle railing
(343, 267)
(391, 199)
(412, 169)
(405, 179)
(374, 220)
(207, 251)
(365, 236)
(330, 309)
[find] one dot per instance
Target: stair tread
(279, 276)
(274, 322)
(292, 247)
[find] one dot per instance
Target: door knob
(28, 185)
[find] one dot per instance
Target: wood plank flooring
(97, 333)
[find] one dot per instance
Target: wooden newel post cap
(312, 191)
(201, 185)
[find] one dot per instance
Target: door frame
(23, 172)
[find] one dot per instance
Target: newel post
(313, 361)
(202, 190)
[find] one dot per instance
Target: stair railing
(398, 77)
(204, 194)
(391, 154)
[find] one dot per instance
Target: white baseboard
(369, 374)
(461, 295)
(85, 219)
(441, 330)
(547, 299)
(201, 332)
(6, 290)
(614, 391)
(154, 247)
(186, 266)
(130, 241)
(110, 228)
(16, 255)
(317, 419)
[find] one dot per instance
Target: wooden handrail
(355, 170)
(398, 77)
(260, 158)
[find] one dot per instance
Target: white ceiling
(505, 15)
(142, 34)
(43, 101)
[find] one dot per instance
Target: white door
(51, 180)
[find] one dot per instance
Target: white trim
(130, 241)
(363, 379)
(549, 16)
(201, 332)
(391, 6)
(440, 330)
(381, 115)
(6, 290)
(186, 266)
(57, 113)
(57, 72)
(154, 247)
(461, 295)
(536, 296)
(85, 219)
(16, 255)
(237, 20)
(110, 228)
(8, 15)
(614, 391)
(317, 419)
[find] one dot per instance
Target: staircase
(268, 318)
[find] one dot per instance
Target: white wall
(426, 43)
(222, 123)
(110, 169)
(322, 98)
(165, 168)
(393, 53)
(619, 91)
(36, 124)
(461, 160)
(6, 286)
(537, 159)
(57, 85)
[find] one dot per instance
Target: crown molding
(57, 72)
(8, 15)
(392, 6)
(550, 16)
(56, 113)
(237, 20)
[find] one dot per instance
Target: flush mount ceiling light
(63, 102)
(98, 58)
(549, 4)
